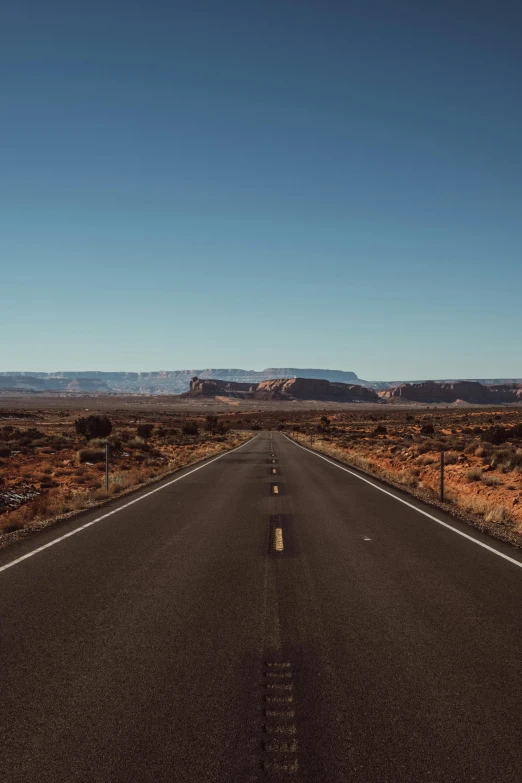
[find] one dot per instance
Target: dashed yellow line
(275, 489)
(278, 541)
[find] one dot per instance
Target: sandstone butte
(465, 391)
(283, 389)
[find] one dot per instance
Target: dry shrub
(491, 480)
(97, 443)
(481, 452)
(475, 474)
(451, 457)
(138, 443)
(405, 477)
(473, 504)
(91, 455)
(498, 514)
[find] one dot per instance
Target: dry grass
(482, 480)
(55, 475)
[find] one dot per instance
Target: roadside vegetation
(482, 455)
(52, 463)
(482, 447)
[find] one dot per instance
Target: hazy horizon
(254, 370)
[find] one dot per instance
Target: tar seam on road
(405, 502)
(120, 508)
(280, 743)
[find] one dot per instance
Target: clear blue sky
(262, 183)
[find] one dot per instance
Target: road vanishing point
(266, 615)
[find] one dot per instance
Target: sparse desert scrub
(490, 480)
(474, 474)
(498, 514)
(62, 474)
(480, 477)
(91, 455)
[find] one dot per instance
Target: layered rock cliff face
(284, 389)
(314, 389)
(467, 391)
(29, 383)
(211, 388)
(176, 381)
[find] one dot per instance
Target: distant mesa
(161, 381)
(39, 384)
(270, 384)
(283, 389)
(465, 391)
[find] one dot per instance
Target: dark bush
(255, 427)
(324, 424)
(190, 428)
(34, 433)
(427, 429)
(144, 431)
(211, 423)
(379, 430)
(495, 435)
(516, 432)
(93, 426)
(5, 451)
(92, 455)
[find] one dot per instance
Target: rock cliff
(467, 391)
(176, 381)
(284, 389)
(31, 383)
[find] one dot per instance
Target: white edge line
(410, 505)
(120, 508)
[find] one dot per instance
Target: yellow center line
(275, 489)
(278, 539)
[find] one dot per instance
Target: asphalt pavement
(266, 616)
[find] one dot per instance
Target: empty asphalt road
(268, 616)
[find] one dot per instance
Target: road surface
(241, 624)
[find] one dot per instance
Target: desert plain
(49, 470)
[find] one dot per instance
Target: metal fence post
(442, 475)
(106, 467)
